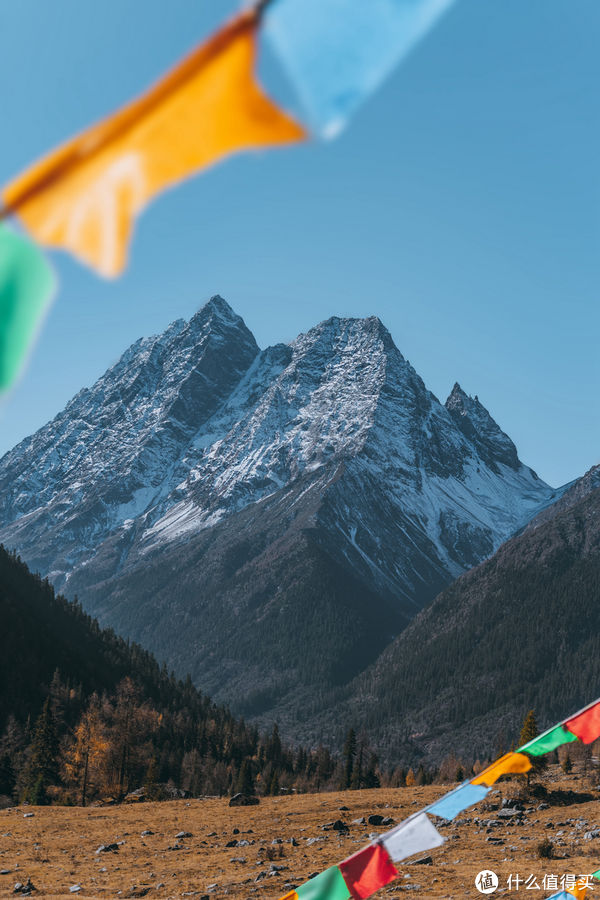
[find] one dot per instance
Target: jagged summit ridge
(475, 422)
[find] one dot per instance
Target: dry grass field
(57, 847)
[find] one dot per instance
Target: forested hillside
(520, 631)
(86, 716)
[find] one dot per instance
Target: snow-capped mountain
(201, 456)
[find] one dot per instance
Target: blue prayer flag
(457, 800)
(338, 52)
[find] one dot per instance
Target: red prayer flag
(367, 871)
(586, 725)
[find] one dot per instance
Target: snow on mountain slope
(193, 426)
(109, 455)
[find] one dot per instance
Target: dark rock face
(266, 520)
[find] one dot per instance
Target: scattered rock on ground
(243, 800)
(108, 848)
(375, 820)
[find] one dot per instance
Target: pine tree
(42, 767)
(273, 752)
(529, 731)
(371, 778)
(7, 776)
(274, 786)
(301, 761)
(357, 771)
(349, 754)
(245, 781)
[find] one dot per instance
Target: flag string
(362, 874)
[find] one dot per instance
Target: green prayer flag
(596, 875)
(27, 285)
(547, 742)
(329, 885)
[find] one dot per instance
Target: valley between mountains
(279, 523)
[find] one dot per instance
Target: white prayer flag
(413, 836)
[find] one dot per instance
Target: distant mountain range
(268, 520)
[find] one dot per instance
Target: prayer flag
(509, 764)
(451, 804)
(85, 196)
(27, 285)
(329, 885)
(415, 835)
(586, 725)
(367, 871)
(337, 52)
(596, 875)
(548, 741)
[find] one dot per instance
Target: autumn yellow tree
(86, 757)
(130, 725)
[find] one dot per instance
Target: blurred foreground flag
(84, 197)
(27, 285)
(338, 52)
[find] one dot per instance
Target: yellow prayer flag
(85, 196)
(579, 890)
(509, 764)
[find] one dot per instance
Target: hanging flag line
(85, 196)
(550, 731)
(223, 68)
(96, 140)
(365, 872)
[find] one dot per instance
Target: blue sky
(461, 206)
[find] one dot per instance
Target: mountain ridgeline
(266, 520)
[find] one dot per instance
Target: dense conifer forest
(521, 630)
(86, 716)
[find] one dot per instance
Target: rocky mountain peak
(193, 427)
(475, 422)
(216, 311)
